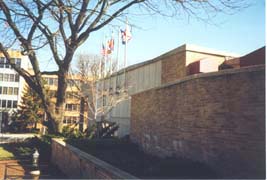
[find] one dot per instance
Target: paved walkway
(20, 169)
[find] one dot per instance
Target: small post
(35, 160)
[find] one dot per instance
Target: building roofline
(182, 48)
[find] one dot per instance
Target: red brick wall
(254, 58)
(217, 118)
(173, 67)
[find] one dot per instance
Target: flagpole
(118, 51)
(125, 54)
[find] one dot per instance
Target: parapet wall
(77, 164)
(217, 118)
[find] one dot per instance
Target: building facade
(161, 70)
(11, 86)
(73, 115)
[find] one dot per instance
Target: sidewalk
(15, 169)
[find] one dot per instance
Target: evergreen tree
(31, 110)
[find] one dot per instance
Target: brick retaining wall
(217, 118)
(77, 164)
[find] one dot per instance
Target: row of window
(51, 81)
(72, 95)
(70, 120)
(54, 82)
(69, 95)
(9, 77)
(5, 64)
(9, 90)
(72, 107)
(8, 104)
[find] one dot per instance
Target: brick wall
(217, 118)
(77, 164)
(173, 67)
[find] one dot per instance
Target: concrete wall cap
(211, 74)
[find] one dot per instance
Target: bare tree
(93, 90)
(62, 26)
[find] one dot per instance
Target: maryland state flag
(110, 46)
(126, 34)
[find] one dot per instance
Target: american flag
(126, 34)
(103, 50)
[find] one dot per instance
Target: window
(0, 90)
(50, 82)
(2, 62)
(6, 77)
(70, 119)
(16, 91)
(16, 78)
(12, 77)
(4, 90)
(1, 76)
(15, 104)
(9, 104)
(3, 103)
(7, 65)
(18, 62)
(72, 107)
(55, 82)
(10, 91)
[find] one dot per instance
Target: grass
(4, 154)
(128, 157)
(23, 151)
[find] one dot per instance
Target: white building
(11, 86)
(169, 67)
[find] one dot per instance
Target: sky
(238, 33)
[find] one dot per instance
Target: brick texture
(217, 118)
(173, 67)
(77, 164)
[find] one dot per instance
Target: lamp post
(35, 160)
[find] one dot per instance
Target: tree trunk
(81, 114)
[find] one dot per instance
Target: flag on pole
(103, 50)
(126, 34)
(110, 46)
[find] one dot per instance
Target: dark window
(2, 62)
(7, 65)
(15, 104)
(1, 77)
(0, 90)
(18, 62)
(3, 103)
(9, 104)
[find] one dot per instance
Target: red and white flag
(126, 34)
(103, 50)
